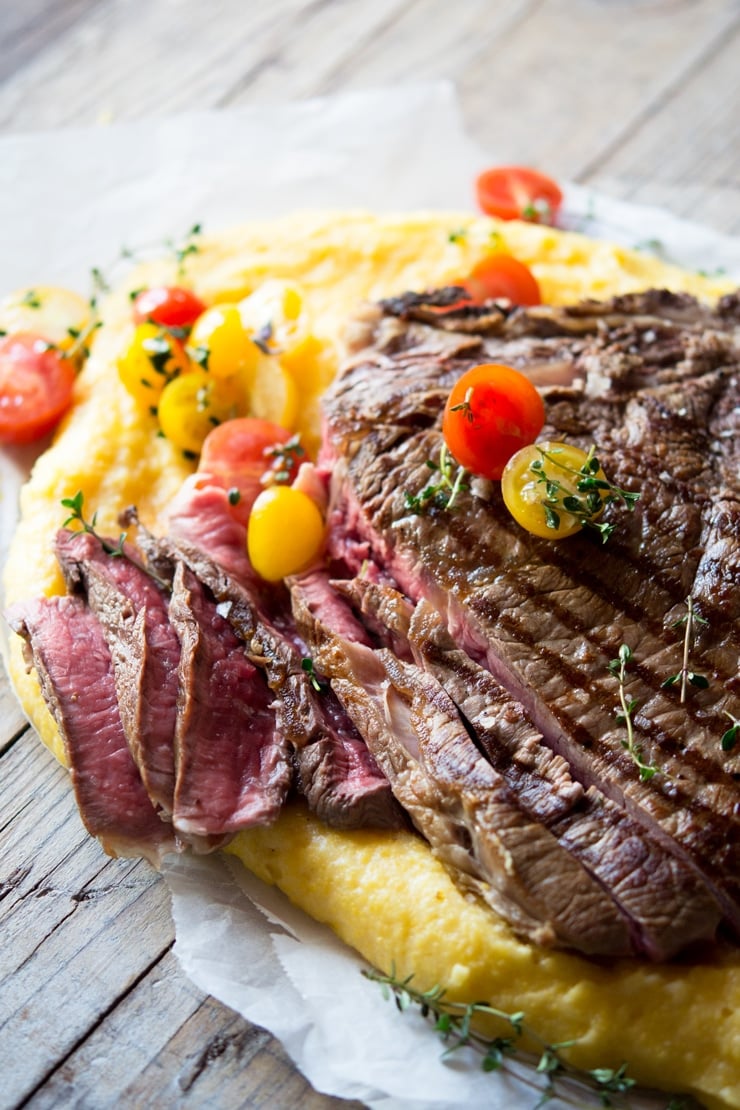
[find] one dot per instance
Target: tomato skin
(501, 275)
(168, 305)
(285, 532)
(524, 491)
(220, 335)
(35, 387)
(193, 404)
(150, 360)
(491, 412)
(518, 193)
(236, 455)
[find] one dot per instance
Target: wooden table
(639, 98)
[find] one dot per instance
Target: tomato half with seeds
(540, 488)
(501, 275)
(518, 193)
(35, 388)
(238, 453)
(171, 306)
(491, 412)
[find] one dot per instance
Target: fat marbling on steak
(652, 381)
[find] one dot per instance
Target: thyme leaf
(307, 665)
(625, 714)
(729, 738)
(455, 1023)
(285, 458)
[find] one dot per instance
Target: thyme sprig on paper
(454, 1021)
(586, 494)
(442, 493)
(686, 676)
(625, 714)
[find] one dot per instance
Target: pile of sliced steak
(444, 668)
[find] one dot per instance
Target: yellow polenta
(677, 1026)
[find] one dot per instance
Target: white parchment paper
(68, 201)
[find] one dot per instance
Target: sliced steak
(460, 804)
(336, 772)
(653, 382)
(233, 764)
(133, 612)
(66, 645)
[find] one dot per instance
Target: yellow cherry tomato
(58, 315)
(273, 394)
(194, 404)
(285, 532)
(151, 360)
(221, 343)
(540, 487)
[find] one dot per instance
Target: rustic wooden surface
(640, 98)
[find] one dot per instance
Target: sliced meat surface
(66, 645)
(653, 382)
(133, 612)
(233, 764)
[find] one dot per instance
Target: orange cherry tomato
(491, 412)
(238, 453)
(500, 275)
(168, 305)
(518, 193)
(35, 387)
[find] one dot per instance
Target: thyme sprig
(75, 505)
(285, 459)
(686, 676)
(588, 499)
(625, 714)
(454, 1021)
(444, 492)
(307, 666)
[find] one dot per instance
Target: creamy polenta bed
(518, 628)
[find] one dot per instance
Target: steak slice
(337, 774)
(233, 764)
(65, 644)
(133, 612)
(653, 382)
(460, 804)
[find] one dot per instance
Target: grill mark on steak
(64, 642)
(529, 643)
(233, 765)
(144, 648)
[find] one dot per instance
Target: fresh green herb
(538, 212)
(184, 248)
(454, 1021)
(31, 299)
(651, 246)
(618, 667)
(729, 738)
(234, 495)
(308, 667)
(459, 235)
(200, 355)
(686, 676)
(443, 493)
(75, 505)
(285, 458)
(596, 492)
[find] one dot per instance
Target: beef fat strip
(66, 646)
(652, 381)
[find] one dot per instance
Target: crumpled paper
(140, 183)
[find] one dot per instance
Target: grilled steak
(133, 612)
(65, 644)
(233, 764)
(652, 380)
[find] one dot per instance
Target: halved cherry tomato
(35, 387)
(491, 412)
(168, 305)
(221, 342)
(541, 482)
(518, 193)
(500, 275)
(239, 453)
(193, 404)
(151, 359)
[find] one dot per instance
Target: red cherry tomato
(518, 193)
(491, 412)
(239, 452)
(170, 306)
(35, 387)
(500, 275)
